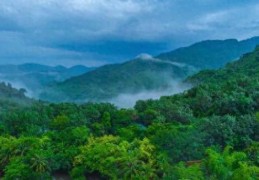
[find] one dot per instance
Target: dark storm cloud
(95, 32)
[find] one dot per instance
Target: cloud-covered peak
(144, 56)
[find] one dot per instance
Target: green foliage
(17, 169)
(60, 122)
(185, 136)
(257, 116)
(219, 130)
(172, 140)
(230, 165)
(25, 157)
(253, 153)
(132, 161)
(181, 171)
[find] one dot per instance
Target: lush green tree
(117, 158)
(182, 171)
(180, 143)
(229, 165)
(219, 130)
(25, 158)
(131, 132)
(123, 118)
(60, 122)
(253, 153)
(17, 169)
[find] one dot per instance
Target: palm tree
(39, 164)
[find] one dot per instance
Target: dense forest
(207, 132)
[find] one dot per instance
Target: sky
(97, 32)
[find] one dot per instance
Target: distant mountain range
(211, 54)
(34, 77)
(147, 73)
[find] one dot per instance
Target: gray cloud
(95, 32)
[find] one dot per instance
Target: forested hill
(147, 73)
(141, 74)
(207, 132)
(232, 90)
(12, 98)
(7, 91)
(247, 66)
(211, 53)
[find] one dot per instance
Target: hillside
(247, 66)
(11, 98)
(109, 81)
(147, 73)
(33, 77)
(211, 54)
(233, 89)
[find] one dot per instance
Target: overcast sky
(95, 32)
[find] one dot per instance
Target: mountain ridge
(129, 77)
(149, 73)
(218, 52)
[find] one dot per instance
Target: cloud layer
(95, 32)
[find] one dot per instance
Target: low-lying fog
(19, 85)
(127, 100)
(124, 100)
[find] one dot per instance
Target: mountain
(211, 54)
(110, 80)
(146, 73)
(35, 76)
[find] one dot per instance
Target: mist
(18, 85)
(123, 100)
(128, 100)
(32, 86)
(174, 86)
(36, 84)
